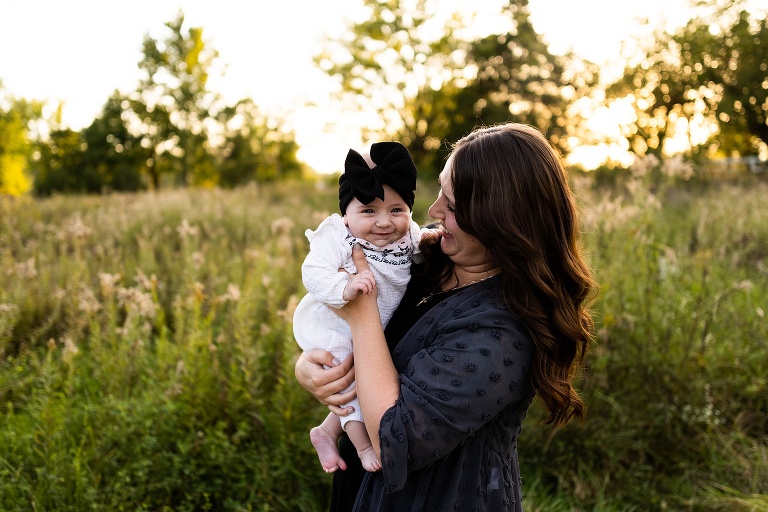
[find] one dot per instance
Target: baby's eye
(368, 210)
(397, 210)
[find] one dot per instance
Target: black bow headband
(394, 167)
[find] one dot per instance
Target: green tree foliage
(59, 165)
(103, 157)
(255, 149)
(713, 71)
(112, 151)
(431, 82)
(15, 147)
(395, 65)
(520, 80)
(171, 131)
(173, 102)
(13, 153)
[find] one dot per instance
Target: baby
(376, 194)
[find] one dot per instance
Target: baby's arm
(323, 280)
(363, 282)
(327, 254)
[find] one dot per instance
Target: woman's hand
(326, 384)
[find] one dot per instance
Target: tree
(713, 72)
(59, 168)
(178, 116)
(394, 64)
(519, 79)
(111, 151)
(255, 148)
(431, 80)
(172, 104)
(15, 146)
(105, 156)
(171, 129)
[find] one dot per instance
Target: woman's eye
(449, 208)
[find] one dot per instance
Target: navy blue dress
(347, 483)
(450, 441)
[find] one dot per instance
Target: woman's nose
(432, 212)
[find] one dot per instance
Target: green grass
(147, 353)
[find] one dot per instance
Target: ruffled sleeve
(328, 252)
(473, 362)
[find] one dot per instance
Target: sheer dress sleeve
(461, 365)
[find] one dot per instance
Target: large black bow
(394, 167)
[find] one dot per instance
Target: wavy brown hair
(512, 194)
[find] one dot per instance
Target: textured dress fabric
(330, 248)
(450, 441)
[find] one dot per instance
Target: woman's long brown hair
(511, 193)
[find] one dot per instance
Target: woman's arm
(376, 379)
(317, 370)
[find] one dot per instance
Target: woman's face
(463, 248)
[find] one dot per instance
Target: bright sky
(80, 51)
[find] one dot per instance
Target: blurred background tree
(103, 157)
(172, 104)
(427, 75)
(116, 154)
(170, 131)
(15, 146)
(520, 80)
(707, 81)
(431, 80)
(405, 63)
(255, 148)
(59, 165)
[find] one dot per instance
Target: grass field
(147, 355)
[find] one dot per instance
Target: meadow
(146, 351)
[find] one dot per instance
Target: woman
(498, 316)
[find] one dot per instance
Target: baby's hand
(429, 235)
(362, 282)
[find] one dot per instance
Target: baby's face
(379, 222)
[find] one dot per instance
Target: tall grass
(677, 382)
(147, 353)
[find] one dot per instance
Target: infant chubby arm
(320, 271)
(324, 279)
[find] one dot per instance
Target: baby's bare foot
(327, 451)
(369, 460)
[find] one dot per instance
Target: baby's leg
(359, 437)
(324, 438)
